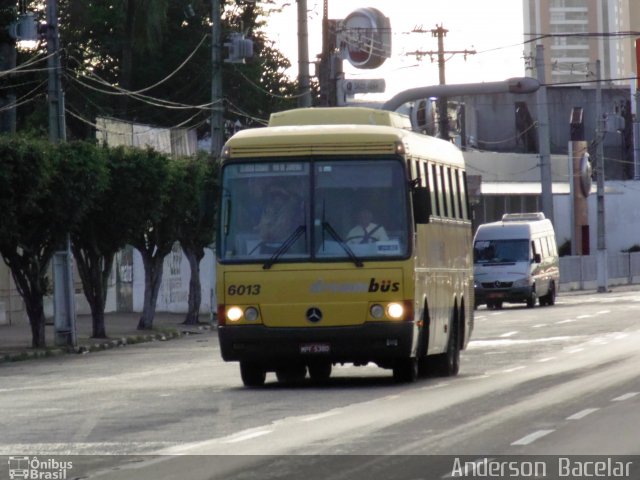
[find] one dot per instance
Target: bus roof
(339, 116)
(304, 132)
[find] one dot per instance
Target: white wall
(174, 290)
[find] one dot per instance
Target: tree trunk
(35, 311)
(194, 256)
(94, 270)
(152, 280)
(29, 278)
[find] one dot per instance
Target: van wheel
(531, 301)
(549, 298)
(405, 370)
(252, 374)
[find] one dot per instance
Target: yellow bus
(344, 238)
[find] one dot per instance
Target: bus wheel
(405, 370)
(448, 363)
(291, 374)
(320, 371)
(253, 375)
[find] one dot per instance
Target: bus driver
(366, 231)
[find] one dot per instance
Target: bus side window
(462, 194)
(435, 188)
(453, 189)
(446, 201)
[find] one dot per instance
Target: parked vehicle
(516, 260)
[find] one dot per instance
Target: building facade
(577, 33)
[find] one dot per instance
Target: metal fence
(580, 272)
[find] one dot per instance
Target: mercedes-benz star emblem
(314, 314)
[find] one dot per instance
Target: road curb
(107, 344)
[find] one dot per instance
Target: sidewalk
(15, 339)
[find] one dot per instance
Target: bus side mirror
(421, 204)
(537, 258)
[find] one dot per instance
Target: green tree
(197, 228)
(44, 191)
(159, 206)
(112, 221)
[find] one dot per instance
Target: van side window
(535, 247)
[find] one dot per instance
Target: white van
(516, 260)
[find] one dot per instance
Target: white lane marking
(547, 359)
(540, 325)
(584, 316)
(509, 334)
(532, 437)
(602, 312)
(575, 350)
(246, 435)
(514, 369)
(509, 342)
(582, 413)
(320, 416)
(569, 320)
(626, 396)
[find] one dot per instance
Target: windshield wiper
(327, 226)
(286, 245)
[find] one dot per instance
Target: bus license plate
(315, 348)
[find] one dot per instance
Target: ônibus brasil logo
(38, 469)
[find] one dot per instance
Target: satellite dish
(365, 38)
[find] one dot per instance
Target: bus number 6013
(244, 290)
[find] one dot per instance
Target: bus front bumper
(371, 342)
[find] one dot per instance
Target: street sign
(371, 85)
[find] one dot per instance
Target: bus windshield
(338, 209)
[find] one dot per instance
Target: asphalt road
(551, 381)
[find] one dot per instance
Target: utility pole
(543, 137)
(216, 80)
(304, 100)
(601, 258)
(636, 118)
(57, 126)
(443, 111)
(8, 99)
(330, 65)
(63, 289)
(439, 32)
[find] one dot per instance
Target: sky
(494, 28)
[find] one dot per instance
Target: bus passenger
(366, 231)
(278, 219)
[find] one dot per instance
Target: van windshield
(501, 251)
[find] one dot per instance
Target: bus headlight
(376, 311)
(251, 314)
(395, 311)
(234, 314)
